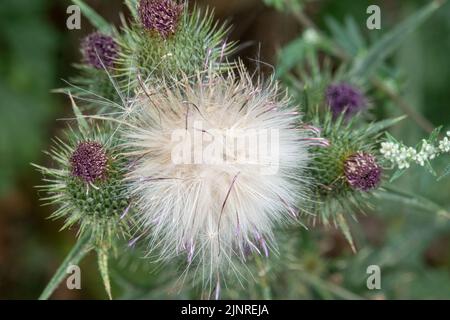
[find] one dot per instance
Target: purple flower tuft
(362, 171)
(160, 15)
(345, 98)
(89, 161)
(99, 50)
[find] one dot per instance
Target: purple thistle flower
(362, 171)
(99, 50)
(160, 15)
(345, 98)
(88, 161)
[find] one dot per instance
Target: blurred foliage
(28, 67)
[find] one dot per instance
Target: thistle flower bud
(89, 161)
(160, 15)
(362, 171)
(88, 185)
(99, 50)
(345, 98)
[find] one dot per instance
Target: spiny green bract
(197, 42)
(95, 206)
(345, 140)
(335, 197)
(95, 87)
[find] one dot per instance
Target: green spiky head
(189, 42)
(95, 87)
(88, 186)
(97, 72)
(347, 171)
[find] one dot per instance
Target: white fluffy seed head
(198, 190)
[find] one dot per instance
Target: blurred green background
(36, 52)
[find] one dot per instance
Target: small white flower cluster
(311, 36)
(444, 144)
(402, 156)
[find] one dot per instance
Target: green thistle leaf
(78, 252)
(342, 223)
(445, 173)
(366, 65)
(95, 206)
(382, 125)
(102, 254)
(82, 123)
(397, 174)
(197, 42)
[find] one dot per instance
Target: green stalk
(413, 200)
(327, 286)
(81, 248)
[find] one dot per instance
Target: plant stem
(81, 248)
(327, 286)
(403, 105)
(267, 292)
(336, 290)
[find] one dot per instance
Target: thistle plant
(164, 38)
(87, 185)
(347, 170)
(166, 162)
